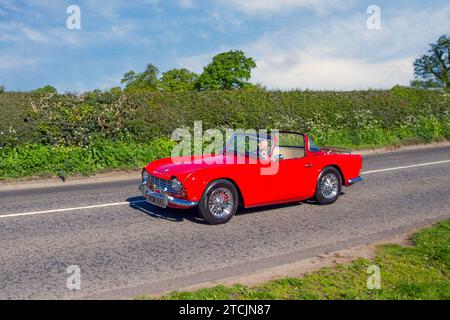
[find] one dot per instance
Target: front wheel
(219, 202)
(329, 186)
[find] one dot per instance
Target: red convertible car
(285, 167)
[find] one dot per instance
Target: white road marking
(406, 167)
(141, 201)
(70, 209)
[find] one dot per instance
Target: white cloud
(8, 6)
(341, 54)
(344, 55)
(194, 63)
(187, 4)
(258, 6)
(34, 35)
(8, 62)
(311, 71)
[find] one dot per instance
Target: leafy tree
(433, 70)
(228, 70)
(47, 89)
(422, 84)
(147, 80)
(2, 89)
(129, 77)
(115, 90)
(178, 80)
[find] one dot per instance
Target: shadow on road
(280, 206)
(169, 214)
(179, 215)
(244, 211)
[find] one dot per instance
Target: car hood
(182, 166)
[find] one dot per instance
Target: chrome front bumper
(167, 198)
(354, 180)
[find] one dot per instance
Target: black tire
(224, 210)
(329, 186)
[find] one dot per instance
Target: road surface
(125, 247)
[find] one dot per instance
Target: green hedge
(101, 155)
(360, 118)
(63, 134)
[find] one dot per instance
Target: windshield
(251, 145)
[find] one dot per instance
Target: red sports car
(273, 169)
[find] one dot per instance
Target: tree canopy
(228, 70)
(46, 89)
(178, 80)
(433, 69)
(147, 80)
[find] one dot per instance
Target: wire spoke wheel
(221, 202)
(329, 186)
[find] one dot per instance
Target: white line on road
(406, 167)
(70, 209)
(141, 201)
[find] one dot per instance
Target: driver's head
(263, 149)
(263, 144)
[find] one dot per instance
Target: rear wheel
(329, 186)
(219, 202)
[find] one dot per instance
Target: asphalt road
(125, 250)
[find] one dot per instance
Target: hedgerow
(352, 118)
(54, 127)
(99, 155)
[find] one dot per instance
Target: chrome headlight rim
(176, 185)
(145, 176)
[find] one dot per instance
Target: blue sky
(306, 44)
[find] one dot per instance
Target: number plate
(160, 202)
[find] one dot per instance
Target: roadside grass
(421, 271)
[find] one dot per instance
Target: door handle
(309, 165)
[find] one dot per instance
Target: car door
(293, 180)
(248, 172)
(296, 172)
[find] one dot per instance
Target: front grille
(160, 185)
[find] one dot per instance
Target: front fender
(196, 183)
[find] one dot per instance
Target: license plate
(160, 202)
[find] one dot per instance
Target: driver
(263, 149)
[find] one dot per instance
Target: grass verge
(417, 272)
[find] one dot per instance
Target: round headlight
(145, 176)
(176, 185)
